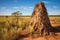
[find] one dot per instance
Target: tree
(17, 13)
(16, 19)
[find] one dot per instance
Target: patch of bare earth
(51, 37)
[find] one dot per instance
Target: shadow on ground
(21, 36)
(56, 29)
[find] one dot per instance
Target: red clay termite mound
(40, 20)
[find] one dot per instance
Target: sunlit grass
(9, 32)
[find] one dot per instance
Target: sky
(26, 6)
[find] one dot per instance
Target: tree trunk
(40, 20)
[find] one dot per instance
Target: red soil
(51, 37)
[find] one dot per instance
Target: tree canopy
(17, 13)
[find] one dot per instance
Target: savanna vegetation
(12, 26)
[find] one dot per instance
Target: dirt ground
(50, 37)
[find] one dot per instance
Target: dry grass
(55, 20)
(8, 32)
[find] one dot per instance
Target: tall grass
(8, 32)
